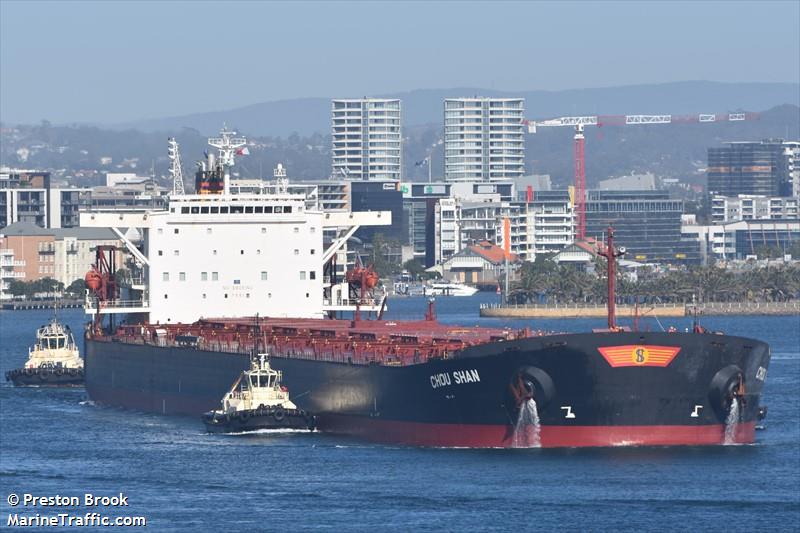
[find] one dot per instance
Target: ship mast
(228, 146)
(611, 254)
(175, 169)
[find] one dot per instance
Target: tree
(379, 258)
(77, 287)
(18, 288)
(414, 268)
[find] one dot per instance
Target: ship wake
(731, 423)
(527, 429)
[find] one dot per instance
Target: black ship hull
(596, 389)
(38, 377)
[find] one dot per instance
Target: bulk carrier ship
(225, 276)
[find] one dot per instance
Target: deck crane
(175, 167)
(580, 122)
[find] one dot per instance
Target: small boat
(54, 361)
(444, 288)
(257, 400)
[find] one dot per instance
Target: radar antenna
(228, 146)
(175, 167)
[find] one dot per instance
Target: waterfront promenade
(628, 311)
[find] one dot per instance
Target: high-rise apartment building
(484, 139)
(760, 168)
(367, 139)
(26, 196)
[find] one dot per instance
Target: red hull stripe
(462, 435)
(491, 436)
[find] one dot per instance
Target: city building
(482, 263)
(379, 195)
(64, 254)
(646, 223)
(9, 268)
(27, 196)
(760, 168)
(420, 202)
(742, 239)
(366, 139)
(632, 182)
(484, 139)
(791, 150)
(752, 207)
(549, 223)
(129, 195)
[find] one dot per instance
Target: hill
(673, 150)
(307, 116)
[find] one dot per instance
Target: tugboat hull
(38, 377)
(255, 419)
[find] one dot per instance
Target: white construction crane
(616, 120)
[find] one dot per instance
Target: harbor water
(55, 442)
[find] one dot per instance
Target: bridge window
(184, 210)
(278, 209)
(204, 210)
(214, 209)
(248, 209)
(268, 209)
(224, 210)
(259, 209)
(237, 209)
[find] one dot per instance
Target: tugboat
(54, 361)
(257, 400)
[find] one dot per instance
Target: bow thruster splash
(268, 264)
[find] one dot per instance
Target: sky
(108, 62)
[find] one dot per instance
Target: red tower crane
(617, 120)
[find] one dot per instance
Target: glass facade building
(646, 223)
(749, 168)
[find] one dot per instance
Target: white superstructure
(234, 255)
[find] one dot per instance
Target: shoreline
(25, 305)
(629, 311)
